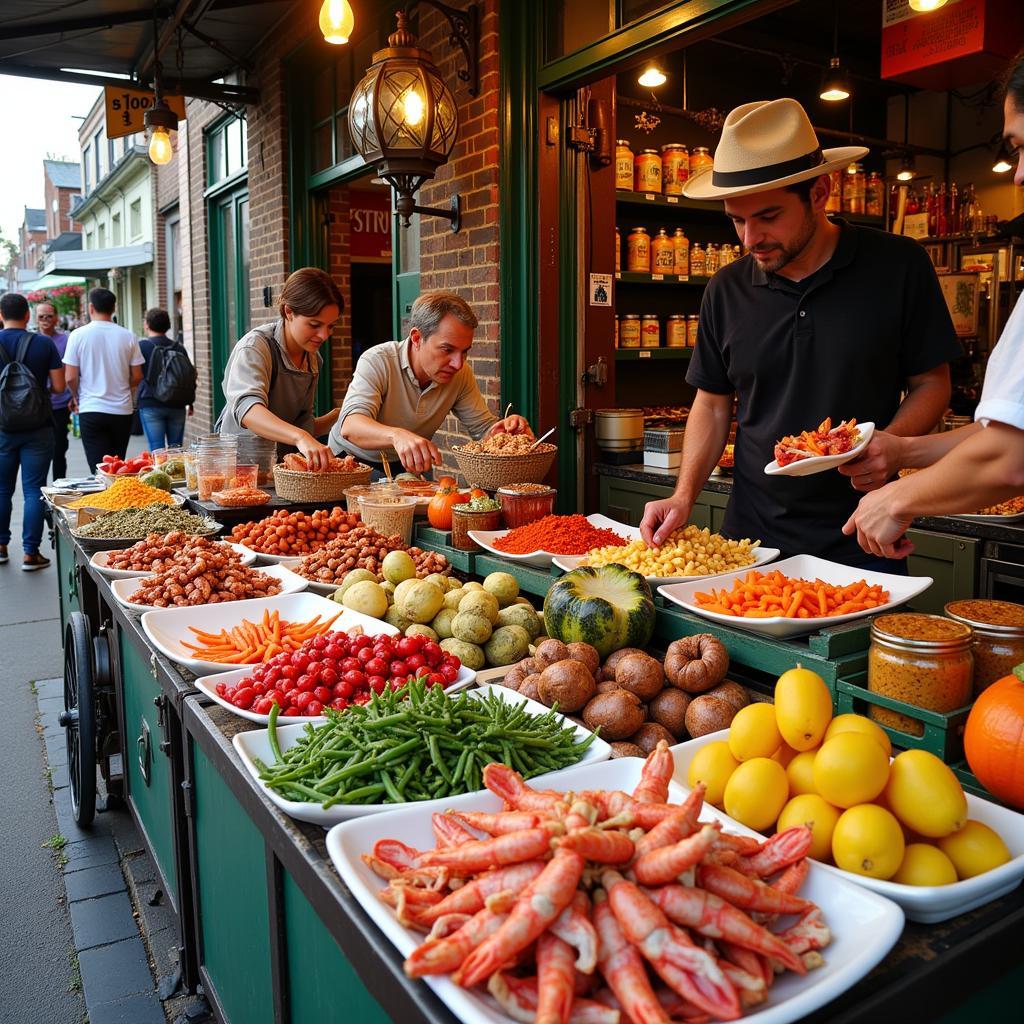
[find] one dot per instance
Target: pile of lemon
(792, 763)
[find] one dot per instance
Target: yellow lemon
(925, 795)
(924, 864)
(713, 765)
(974, 850)
(784, 754)
(800, 772)
(867, 840)
(818, 815)
(756, 792)
(849, 769)
(803, 707)
(754, 732)
(858, 723)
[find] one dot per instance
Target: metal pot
(620, 429)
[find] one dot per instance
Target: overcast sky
(38, 119)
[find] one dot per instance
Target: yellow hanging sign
(126, 109)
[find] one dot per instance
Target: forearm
(367, 433)
(919, 452)
(322, 424)
(707, 430)
(71, 379)
(260, 420)
(921, 409)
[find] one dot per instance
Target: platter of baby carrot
(801, 594)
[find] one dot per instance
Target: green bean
(275, 710)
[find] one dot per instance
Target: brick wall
(59, 222)
(339, 267)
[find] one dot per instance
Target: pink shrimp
(555, 980)
(680, 825)
(784, 848)
(809, 933)
(574, 927)
(390, 853)
(655, 776)
(752, 988)
(667, 863)
(441, 956)
(748, 961)
(520, 997)
(509, 785)
(448, 832)
(481, 854)
(748, 893)
(741, 845)
(599, 845)
(473, 896)
(498, 824)
(792, 879)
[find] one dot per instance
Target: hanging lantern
(161, 121)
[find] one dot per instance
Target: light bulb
(160, 151)
(652, 77)
(1001, 166)
(835, 87)
(926, 5)
(905, 175)
(336, 21)
(413, 107)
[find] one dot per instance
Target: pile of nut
(294, 533)
(160, 550)
(364, 548)
(212, 578)
(507, 444)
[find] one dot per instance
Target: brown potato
(708, 714)
(586, 654)
(551, 651)
(514, 676)
(640, 674)
(615, 657)
(607, 685)
(623, 749)
(649, 735)
(696, 663)
(618, 714)
(568, 683)
(668, 708)
(731, 692)
(530, 687)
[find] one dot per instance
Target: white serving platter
(263, 559)
(820, 463)
(809, 567)
(762, 556)
(256, 744)
(100, 560)
(928, 904)
(543, 559)
(977, 517)
(290, 584)
(167, 628)
(864, 926)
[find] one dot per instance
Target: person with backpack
(27, 363)
(168, 386)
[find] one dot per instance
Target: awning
(51, 281)
(98, 262)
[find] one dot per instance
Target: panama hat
(766, 145)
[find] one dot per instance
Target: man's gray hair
(431, 308)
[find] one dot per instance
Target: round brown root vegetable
(649, 735)
(515, 675)
(623, 749)
(608, 670)
(530, 687)
(607, 685)
(640, 674)
(567, 683)
(531, 665)
(696, 663)
(586, 654)
(551, 651)
(708, 714)
(732, 693)
(669, 709)
(618, 714)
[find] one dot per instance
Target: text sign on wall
(911, 40)
(126, 109)
(370, 226)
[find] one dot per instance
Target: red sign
(369, 226)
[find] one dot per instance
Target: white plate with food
(168, 628)
(926, 903)
(983, 517)
(256, 745)
(807, 567)
(762, 556)
(543, 559)
(806, 466)
(864, 926)
(100, 562)
(326, 589)
(264, 559)
(290, 584)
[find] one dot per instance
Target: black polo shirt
(840, 343)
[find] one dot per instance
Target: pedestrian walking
(104, 365)
(61, 404)
(168, 386)
(29, 362)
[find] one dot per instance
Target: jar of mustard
(675, 331)
(692, 322)
(681, 247)
(650, 331)
(663, 253)
(618, 250)
(629, 330)
(675, 168)
(711, 260)
(623, 165)
(638, 251)
(998, 636)
(924, 660)
(700, 160)
(647, 171)
(697, 261)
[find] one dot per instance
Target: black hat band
(763, 175)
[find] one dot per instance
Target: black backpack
(172, 377)
(24, 402)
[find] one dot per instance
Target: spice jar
(486, 516)
(389, 514)
(697, 261)
(998, 645)
(356, 491)
(663, 253)
(692, 323)
(526, 503)
(638, 251)
(623, 165)
(681, 248)
(650, 331)
(675, 331)
(923, 660)
(874, 194)
(629, 330)
(711, 260)
(675, 168)
(647, 171)
(700, 160)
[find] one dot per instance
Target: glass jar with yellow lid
(998, 628)
(623, 165)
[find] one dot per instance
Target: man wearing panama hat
(820, 318)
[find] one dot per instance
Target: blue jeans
(164, 428)
(30, 451)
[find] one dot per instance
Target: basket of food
(113, 467)
(504, 459)
(295, 481)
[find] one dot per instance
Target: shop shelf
(671, 202)
(634, 354)
(628, 277)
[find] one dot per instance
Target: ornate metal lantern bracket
(465, 34)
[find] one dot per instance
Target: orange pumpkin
(439, 511)
(994, 738)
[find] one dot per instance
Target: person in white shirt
(103, 364)
(976, 466)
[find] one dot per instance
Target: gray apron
(290, 396)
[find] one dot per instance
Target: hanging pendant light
(337, 21)
(835, 85)
(652, 77)
(926, 5)
(908, 168)
(1002, 165)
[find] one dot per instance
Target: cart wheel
(78, 718)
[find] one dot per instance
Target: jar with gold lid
(923, 660)
(647, 171)
(998, 628)
(711, 260)
(681, 246)
(675, 331)
(663, 253)
(629, 330)
(650, 331)
(697, 261)
(675, 168)
(638, 251)
(623, 165)
(700, 160)
(692, 324)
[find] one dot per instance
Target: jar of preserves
(998, 628)
(618, 250)
(623, 165)
(464, 519)
(725, 256)
(616, 331)
(525, 503)
(629, 330)
(923, 660)
(697, 261)
(675, 331)
(663, 253)
(638, 251)
(834, 203)
(650, 331)
(681, 247)
(647, 171)
(711, 260)
(692, 322)
(675, 168)
(700, 160)
(874, 193)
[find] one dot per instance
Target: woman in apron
(270, 380)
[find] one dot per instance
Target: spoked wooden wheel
(79, 717)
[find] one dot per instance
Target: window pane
(233, 146)
(344, 147)
(323, 94)
(243, 266)
(229, 240)
(216, 168)
(323, 148)
(573, 24)
(243, 155)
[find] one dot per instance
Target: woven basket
(493, 471)
(294, 486)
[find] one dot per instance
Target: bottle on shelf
(663, 253)
(675, 331)
(650, 331)
(681, 248)
(932, 206)
(629, 330)
(697, 261)
(675, 168)
(623, 165)
(618, 249)
(834, 203)
(711, 260)
(638, 251)
(942, 212)
(647, 171)
(874, 194)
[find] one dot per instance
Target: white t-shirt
(104, 353)
(1002, 394)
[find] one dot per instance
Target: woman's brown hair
(308, 290)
